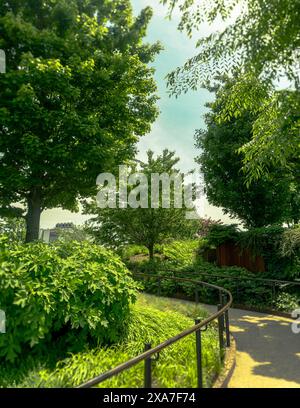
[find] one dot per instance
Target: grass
(188, 309)
(152, 320)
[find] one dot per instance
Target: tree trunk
(151, 251)
(33, 216)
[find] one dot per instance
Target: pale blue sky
(175, 127)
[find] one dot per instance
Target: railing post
(199, 356)
(237, 290)
(273, 293)
(159, 287)
(148, 369)
(221, 331)
(196, 296)
(227, 328)
(220, 297)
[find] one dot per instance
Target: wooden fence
(229, 254)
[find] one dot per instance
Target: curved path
(268, 352)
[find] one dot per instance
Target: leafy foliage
(290, 244)
(275, 130)
(247, 288)
(219, 234)
(13, 229)
(261, 241)
(287, 302)
(180, 252)
(176, 365)
(267, 242)
(259, 45)
(205, 225)
(69, 293)
(226, 185)
(143, 226)
(264, 35)
(261, 34)
(128, 251)
(76, 97)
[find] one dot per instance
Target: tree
(259, 45)
(76, 97)
(271, 199)
(275, 129)
(143, 226)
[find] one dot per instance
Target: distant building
(51, 235)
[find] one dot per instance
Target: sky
(179, 118)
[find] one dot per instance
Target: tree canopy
(273, 198)
(143, 226)
(260, 46)
(76, 97)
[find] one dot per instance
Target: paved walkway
(268, 352)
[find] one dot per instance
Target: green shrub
(277, 245)
(286, 302)
(177, 252)
(128, 251)
(290, 244)
(237, 281)
(180, 252)
(219, 234)
(69, 293)
(246, 287)
(173, 255)
(266, 243)
(175, 367)
(261, 241)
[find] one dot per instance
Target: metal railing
(221, 315)
(239, 283)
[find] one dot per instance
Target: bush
(236, 280)
(206, 225)
(286, 302)
(219, 234)
(277, 245)
(128, 251)
(180, 252)
(290, 244)
(266, 243)
(172, 255)
(175, 367)
(246, 287)
(67, 293)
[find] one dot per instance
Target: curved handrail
(147, 354)
(246, 278)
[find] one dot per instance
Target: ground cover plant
(246, 287)
(151, 320)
